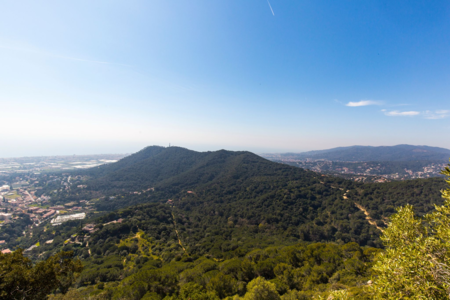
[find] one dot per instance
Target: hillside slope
(125, 162)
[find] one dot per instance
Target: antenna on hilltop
(169, 144)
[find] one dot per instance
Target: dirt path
(345, 195)
(176, 231)
(368, 217)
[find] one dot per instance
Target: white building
(5, 216)
(61, 219)
(4, 188)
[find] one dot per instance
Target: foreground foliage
(20, 279)
(416, 262)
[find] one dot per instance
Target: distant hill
(179, 168)
(382, 153)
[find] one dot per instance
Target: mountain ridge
(402, 152)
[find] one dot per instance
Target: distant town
(367, 171)
(22, 181)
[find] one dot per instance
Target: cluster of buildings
(4, 190)
(20, 182)
(22, 201)
(44, 213)
(431, 170)
(90, 228)
(361, 170)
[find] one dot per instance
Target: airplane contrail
(270, 7)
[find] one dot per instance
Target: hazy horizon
(201, 149)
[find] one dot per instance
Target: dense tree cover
(218, 223)
(21, 279)
(310, 209)
(11, 233)
(298, 271)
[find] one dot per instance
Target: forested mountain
(382, 153)
(240, 194)
(178, 168)
(240, 191)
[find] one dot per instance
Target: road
(32, 199)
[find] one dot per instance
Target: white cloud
(363, 103)
(442, 111)
(438, 114)
(396, 113)
(428, 114)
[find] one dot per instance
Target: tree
(194, 291)
(261, 289)
(416, 262)
(20, 279)
(223, 285)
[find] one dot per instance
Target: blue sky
(87, 77)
